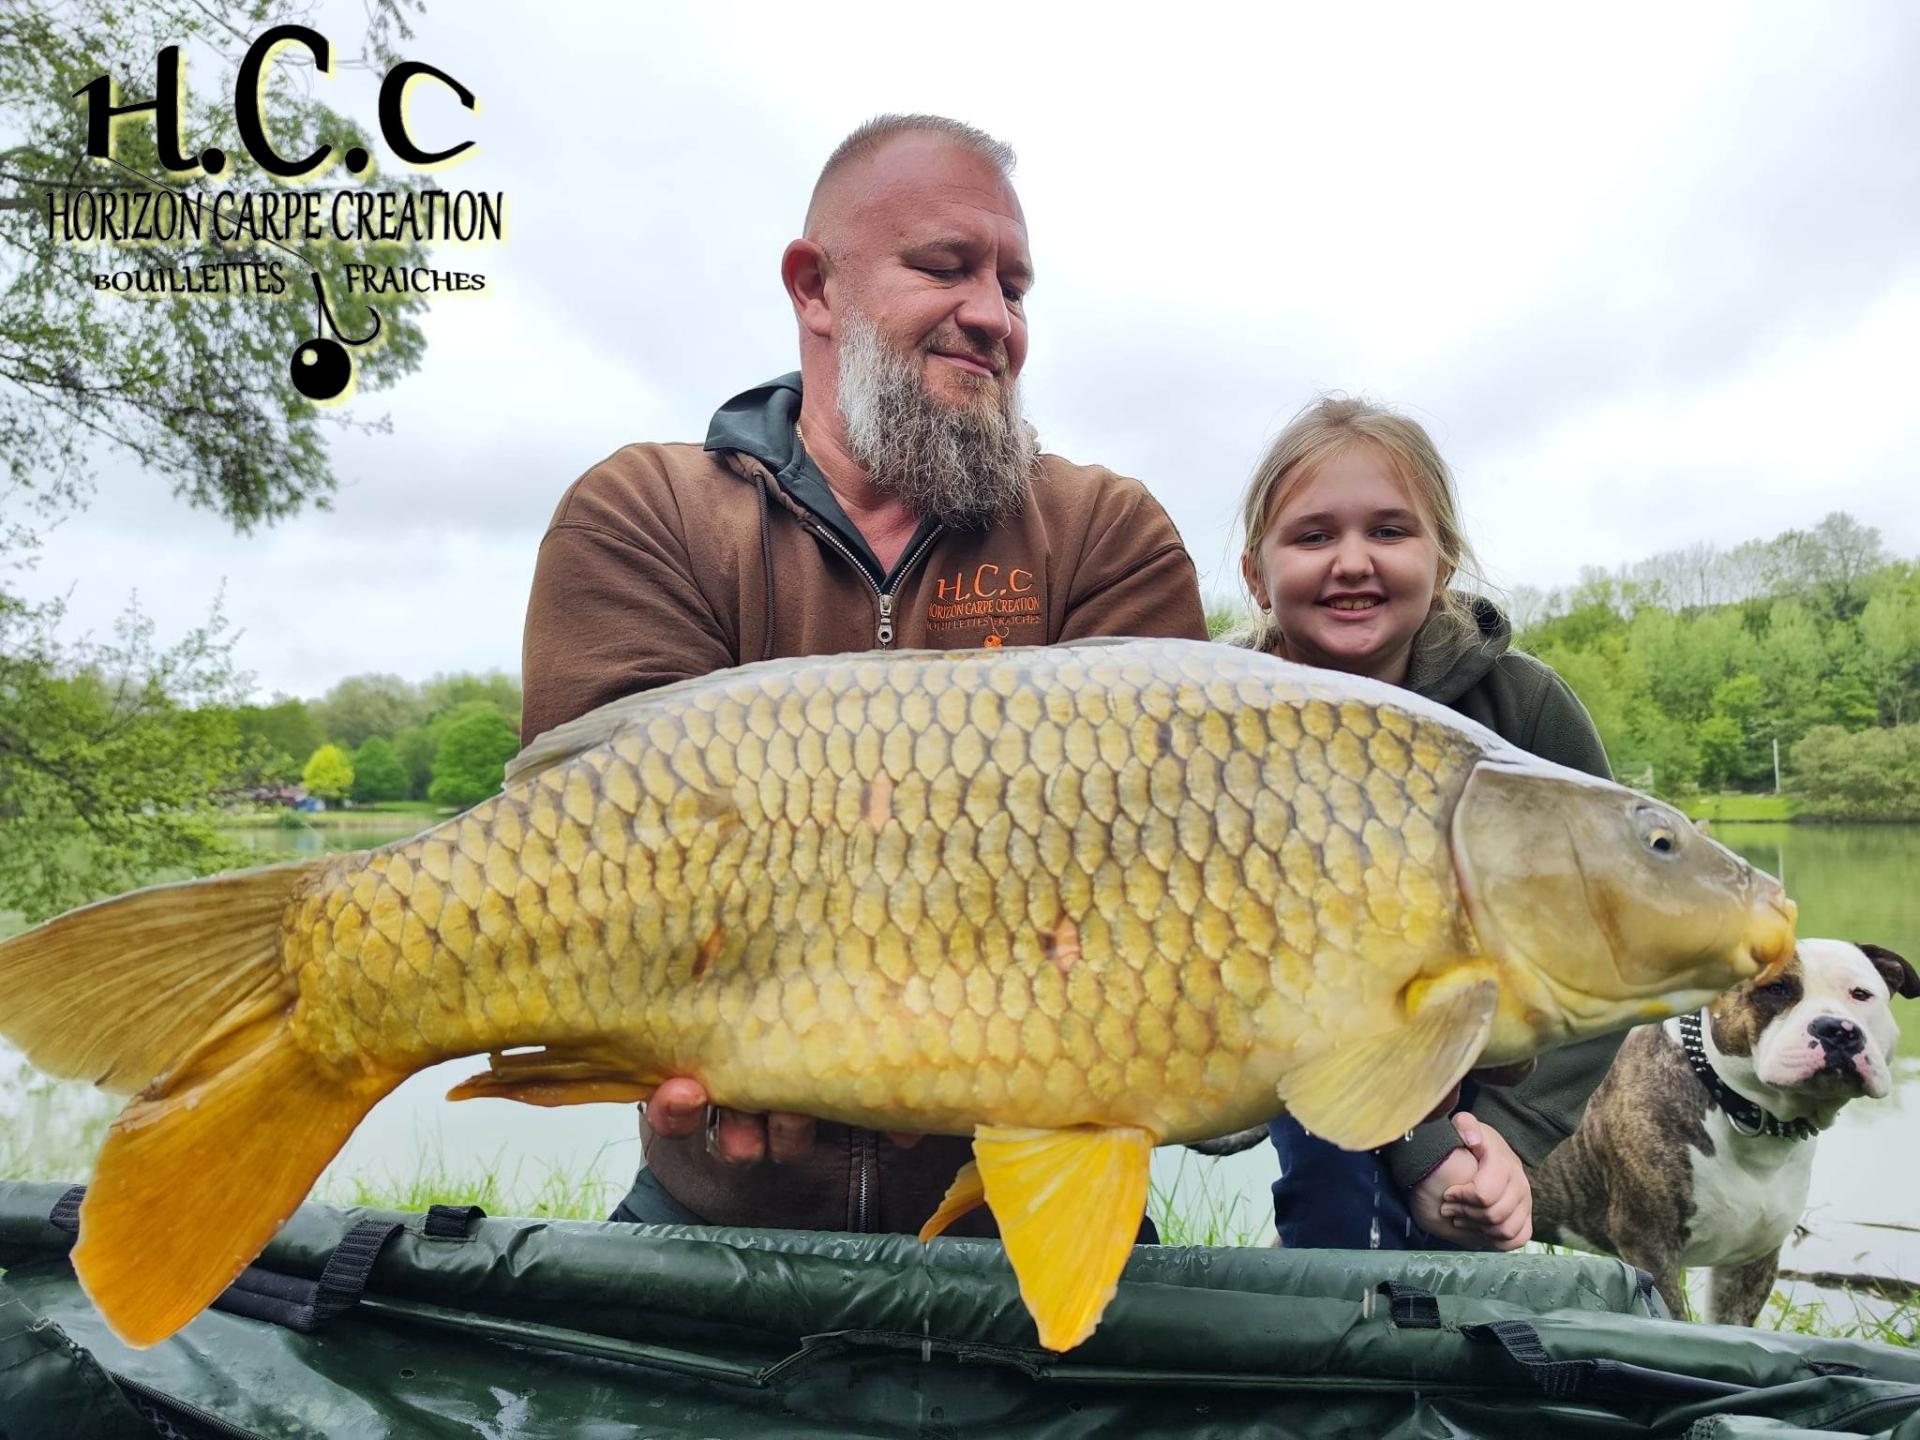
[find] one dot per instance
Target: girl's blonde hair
(1329, 427)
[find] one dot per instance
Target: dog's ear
(1900, 976)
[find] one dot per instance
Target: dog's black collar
(1745, 1116)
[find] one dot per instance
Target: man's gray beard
(963, 466)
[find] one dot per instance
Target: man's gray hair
(876, 132)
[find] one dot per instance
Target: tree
(1722, 751)
(378, 773)
(495, 687)
(1871, 775)
(328, 773)
(274, 737)
(109, 756)
(415, 746)
(200, 391)
(1890, 630)
(111, 753)
(473, 753)
(362, 706)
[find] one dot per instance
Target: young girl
(1353, 547)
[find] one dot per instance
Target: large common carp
(1072, 901)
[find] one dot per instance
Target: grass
(1200, 1208)
(1732, 806)
(55, 1129)
(384, 812)
(556, 1195)
(1885, 1322)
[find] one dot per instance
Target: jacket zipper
(860, 1214)
(883, 632)
(866, 1143)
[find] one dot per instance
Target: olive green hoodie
(1472, 669)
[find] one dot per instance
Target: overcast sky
(1649, 275)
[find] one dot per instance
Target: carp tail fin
(119, 992)
(180, 992)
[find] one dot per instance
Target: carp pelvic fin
(963, 1197)
(554, 1077)
(1361, 1095)
(1069, 1204)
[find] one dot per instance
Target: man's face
(932, 250)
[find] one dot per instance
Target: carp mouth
(1770, 939)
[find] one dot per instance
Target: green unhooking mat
(359, 1323)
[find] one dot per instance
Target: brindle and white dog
(1698, 1146)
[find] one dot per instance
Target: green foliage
(275, 737)
(362, 706)
(109, 757)
(495, 688)
(328, 773)
(1695, 663)
(1864, 775)
(472, 755)
(200, 391)
(415, 746)
(111, 753)
(1745, 808)
(1224, 615)
(377, 773)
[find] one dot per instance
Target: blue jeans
(1332, 1199)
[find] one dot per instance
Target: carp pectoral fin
(1069, 1204)
(1361, 1095)
(554, 1077)
(964, 1196)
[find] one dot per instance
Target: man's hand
(680, 1108)
(1477, 1197)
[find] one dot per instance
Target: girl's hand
(1478, 1197)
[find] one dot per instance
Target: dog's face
(1824, 1024)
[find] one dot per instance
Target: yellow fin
(183, 990)
(200, 1170)
(964, 1196)
(554, 1077)
(1069, 1204)
(124, 990)
(1362, 1094)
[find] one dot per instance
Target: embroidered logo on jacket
(988, 597)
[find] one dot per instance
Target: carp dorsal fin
(1360, 1095)
(1068, 1203)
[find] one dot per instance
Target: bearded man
(890, 495)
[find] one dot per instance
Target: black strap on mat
(1564, 1379)
(1412, 1308)
(304, 1305)
(289, 1300)
(1409, 1306)
(451, 1222)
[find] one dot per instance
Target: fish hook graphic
(321, 367)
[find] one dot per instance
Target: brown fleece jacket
(664, 562)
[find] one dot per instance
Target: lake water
(1854, 882)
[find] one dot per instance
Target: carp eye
(1656, 833)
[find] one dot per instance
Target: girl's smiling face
(1349, 566)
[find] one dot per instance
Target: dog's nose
(1837, 1036)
